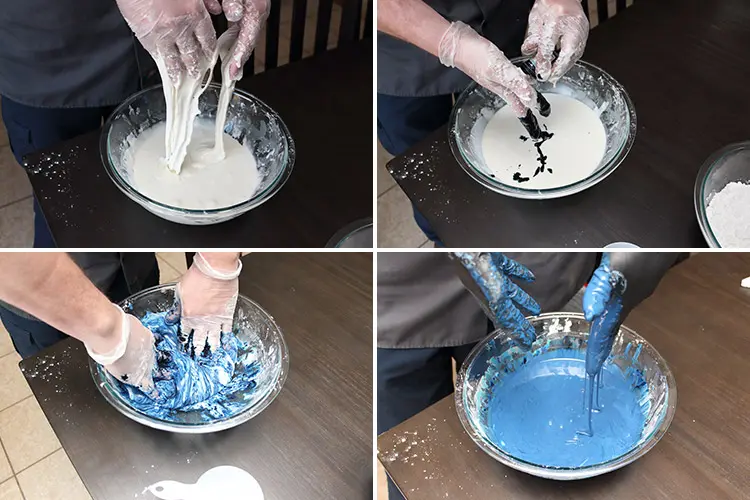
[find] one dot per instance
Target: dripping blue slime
(601, 338)
(210, 384)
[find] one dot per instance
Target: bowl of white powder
(587, 135)
(722, 197)
(258, 157)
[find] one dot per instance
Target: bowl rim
(549, 193)
(348, 231)
(256, 200)
(564, 473)
(181, 428)
(699, 189)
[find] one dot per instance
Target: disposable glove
(463, 48)
(556, 23)
(179, 32)
(207, 299)
(492, 272)
(249, 16)
(132, 359)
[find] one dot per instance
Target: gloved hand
(132, 358)
(177, 31)
(249, 15)
(492, 273)
(553, 23)
(603, 307)
(207, 300)
(463, 48)
(599, 290)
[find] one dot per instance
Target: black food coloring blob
(518, 178)
(541, 158)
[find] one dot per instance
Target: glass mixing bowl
(567, 331)
(729, 164)
(249, 120)
(357, 234)
(586, 83)
(251, 324)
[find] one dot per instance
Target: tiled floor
(33, 465)
(396, 226)
(16, 217)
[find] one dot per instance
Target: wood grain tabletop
(699, 321)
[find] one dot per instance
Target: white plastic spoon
(225, 482)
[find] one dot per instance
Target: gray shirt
(406, 70)
(68, 53)
(422, 302)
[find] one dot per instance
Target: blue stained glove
(602, 306)
(599, 289)
(492, 273)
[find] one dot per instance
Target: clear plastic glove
(463, 48)
(492, 273)
(132, 359)
(177, 31)
(249, 16)
(207, 299)
(554, 23)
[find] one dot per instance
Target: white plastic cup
(621, 244)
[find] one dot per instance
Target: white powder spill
(728, 215)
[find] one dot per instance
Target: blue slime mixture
(534, 408)
(215, 385)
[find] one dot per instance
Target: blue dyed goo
(217, 386)
(534, 409)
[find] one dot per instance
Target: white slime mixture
(728, 215)
(203, 182)
(574, 151)
(189, 163)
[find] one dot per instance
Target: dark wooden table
(326, 102)
(684, 65)
(313, 441)
(698, 320)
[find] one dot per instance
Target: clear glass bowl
(729, 164)
(251, 324)
(585, 82)
(358, 234)
(249, 120)
(567, 331)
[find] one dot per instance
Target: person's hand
(600, 288)
(554, 23)
(128, 354)
(463, 48)
(177, 31)
(492, 273)
(603, 307)
(207, 295)
(248, 16)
